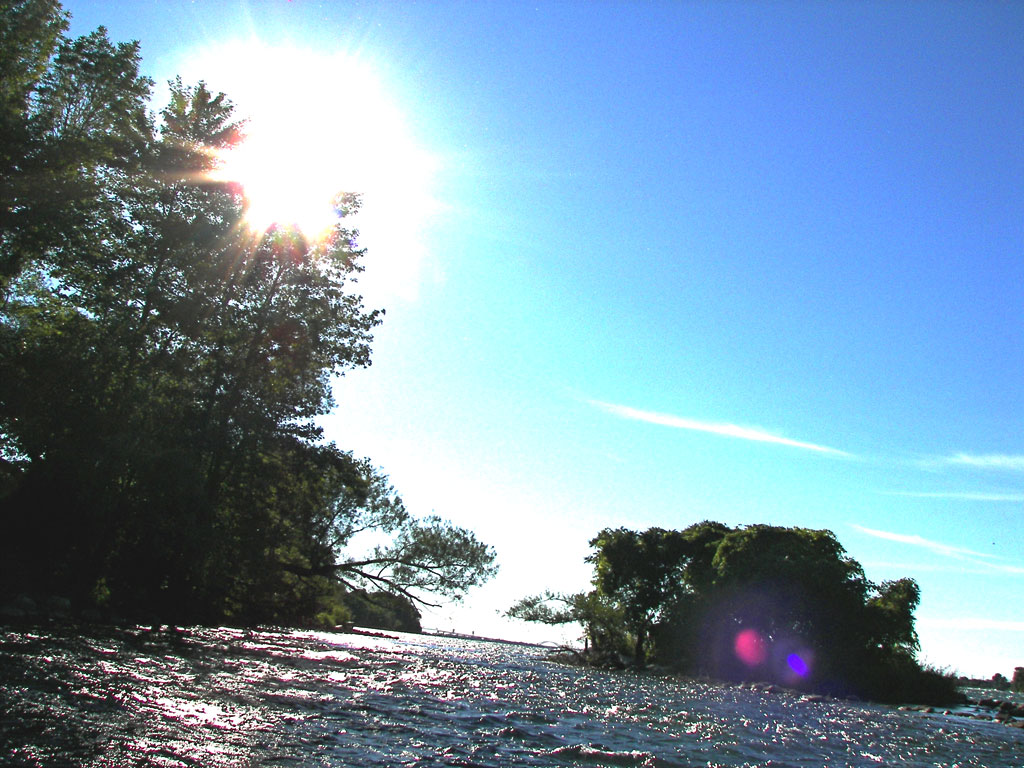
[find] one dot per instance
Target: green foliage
(890, 615)
(786, 605)
(1017, 684)
(546, 608)
(75, 128)
(792, 586)
(341, 607)
(382, 610)
(161, 366)
(641, 572)
(604, 624)
(333, 614)
(602, 620)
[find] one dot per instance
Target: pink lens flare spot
(750, 647)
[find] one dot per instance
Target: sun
(318, 125)
(284, 182)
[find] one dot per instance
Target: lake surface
(225, 697)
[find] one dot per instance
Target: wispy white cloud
(996, 625)
(918, 541)
(903, 567)
(725, 430)
(1002, 461)
(959, 495)
(961, 554)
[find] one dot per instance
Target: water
(224, 697)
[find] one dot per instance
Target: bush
(904, 681)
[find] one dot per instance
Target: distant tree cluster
(383, 610)
(161, 365)
(760, 602)
(999, 682)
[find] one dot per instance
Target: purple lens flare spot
(797, 664)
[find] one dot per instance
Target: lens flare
(750, 647)
(797, 665)
(319, 123)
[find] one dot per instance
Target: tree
(75, 124)
(1017, 684)
(382, 610)
(640, 580)
(549, 607)
(781, 604)
(641, 572)
(29, 35)
(161, 365)
(602, 621)
(795, 589)
(891, 616)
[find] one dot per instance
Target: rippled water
(223, 697)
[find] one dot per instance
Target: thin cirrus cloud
(958, 566)
(1002, 461)
(959, 496)
(946, 550)
(725, 430)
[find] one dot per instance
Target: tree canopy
(642, 572)
(161, 365)
(762, 602)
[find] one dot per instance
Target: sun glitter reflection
(317, 125)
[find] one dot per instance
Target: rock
(1005, 709)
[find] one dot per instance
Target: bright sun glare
(320, 124)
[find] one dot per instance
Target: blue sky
(738, 261)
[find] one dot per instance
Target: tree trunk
(641, 650)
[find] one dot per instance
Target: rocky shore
(1006, 712)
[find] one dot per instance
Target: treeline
(998, 681)
(161, 365)
(760, 602)
(382, 610)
